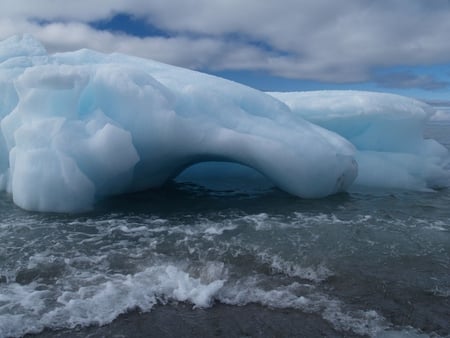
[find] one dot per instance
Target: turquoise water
(374, 264)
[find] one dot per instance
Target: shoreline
(181, 320)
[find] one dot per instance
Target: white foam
(24, 309)
(291, 269)
(290, 296)
(84, 299)
(219, 230)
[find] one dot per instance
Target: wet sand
(182, 320)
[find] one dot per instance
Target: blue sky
(398, 46)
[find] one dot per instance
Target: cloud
(325, 40)
(410, 80)
(445, 104)
(197, 53)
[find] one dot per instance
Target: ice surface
(441, 115)
(387, 131)
(80, 126)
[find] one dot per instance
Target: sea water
(362, 264)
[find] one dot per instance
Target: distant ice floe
(441, 115)
(80, 126)
(387, 131)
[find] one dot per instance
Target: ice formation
(387, 131)
(441, 115)
(79, 126)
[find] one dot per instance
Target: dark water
(242, 261)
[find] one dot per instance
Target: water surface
(369, 264)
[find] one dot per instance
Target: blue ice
(80, 126)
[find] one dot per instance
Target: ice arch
(80, 126)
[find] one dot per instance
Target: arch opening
(225, 177)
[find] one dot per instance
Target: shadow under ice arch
(86, 125)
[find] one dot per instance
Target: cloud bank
(322, 40)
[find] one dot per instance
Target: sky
(398, 46)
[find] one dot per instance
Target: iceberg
(441, 115)
(80, 126)
(387, 131)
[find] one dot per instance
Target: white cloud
(317, 39)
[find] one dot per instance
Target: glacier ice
(80, 126)
(386, 130)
